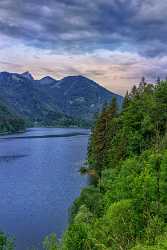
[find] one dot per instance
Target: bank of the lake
(39, 179)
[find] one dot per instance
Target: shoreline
(45, 136)
(12, 133)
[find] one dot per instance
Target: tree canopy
(127, 207)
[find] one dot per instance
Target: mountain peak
(77, 77)
(27, 75)
(47, 80)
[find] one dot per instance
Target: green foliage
(61, 120)
(5, 242)
(121, 224)
(50, 242)
(128, 207)
(101, 136)
(160, 244)
(9, 122)
(78, 237)
(92, 199)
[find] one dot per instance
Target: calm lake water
(39, 180)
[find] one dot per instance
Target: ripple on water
(11, 157)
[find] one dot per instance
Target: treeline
(10, 122)
(61, 120)
(126, 207)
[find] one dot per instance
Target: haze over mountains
(51, 102)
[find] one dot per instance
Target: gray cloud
(114, 42)
(138, 25)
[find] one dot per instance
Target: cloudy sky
(114, 42)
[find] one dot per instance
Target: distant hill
(77, 96)
(47, 100)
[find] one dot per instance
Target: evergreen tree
(143, 82)
(126, 101)
(100, 141)
(158, 80)
(134, 91)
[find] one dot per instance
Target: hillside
(10, 122)
(125, 207)
(74, 97)
(19, 92)
(77, 96)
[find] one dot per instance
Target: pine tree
(158, 80)
(134, 91)
(126, 101)
(143, 80)
(142, 85)
(112, 109)
(101, 137)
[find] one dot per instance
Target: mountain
(47, 80)
(48, 99)
(21, 95)
(27, 75)
(78, 96)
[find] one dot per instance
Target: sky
(114, 42)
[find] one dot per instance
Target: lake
(39, 180)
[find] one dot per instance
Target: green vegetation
(5, 242)
(126, 207)
(9, 122)
(61, 120)
(50, 242)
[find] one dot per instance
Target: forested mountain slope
(51, 102)
(10, 122)
(126, 207)
(77, 96)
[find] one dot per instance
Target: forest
(125, 206)
(9, 121)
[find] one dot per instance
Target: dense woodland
(9, 122)
(125, 207)
(53, 119)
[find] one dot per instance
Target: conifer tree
(98, 140)
(126, 101)
(158, 80)
(143, 80)
(134, 91)
(100, 137)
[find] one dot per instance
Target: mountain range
(48, 101)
